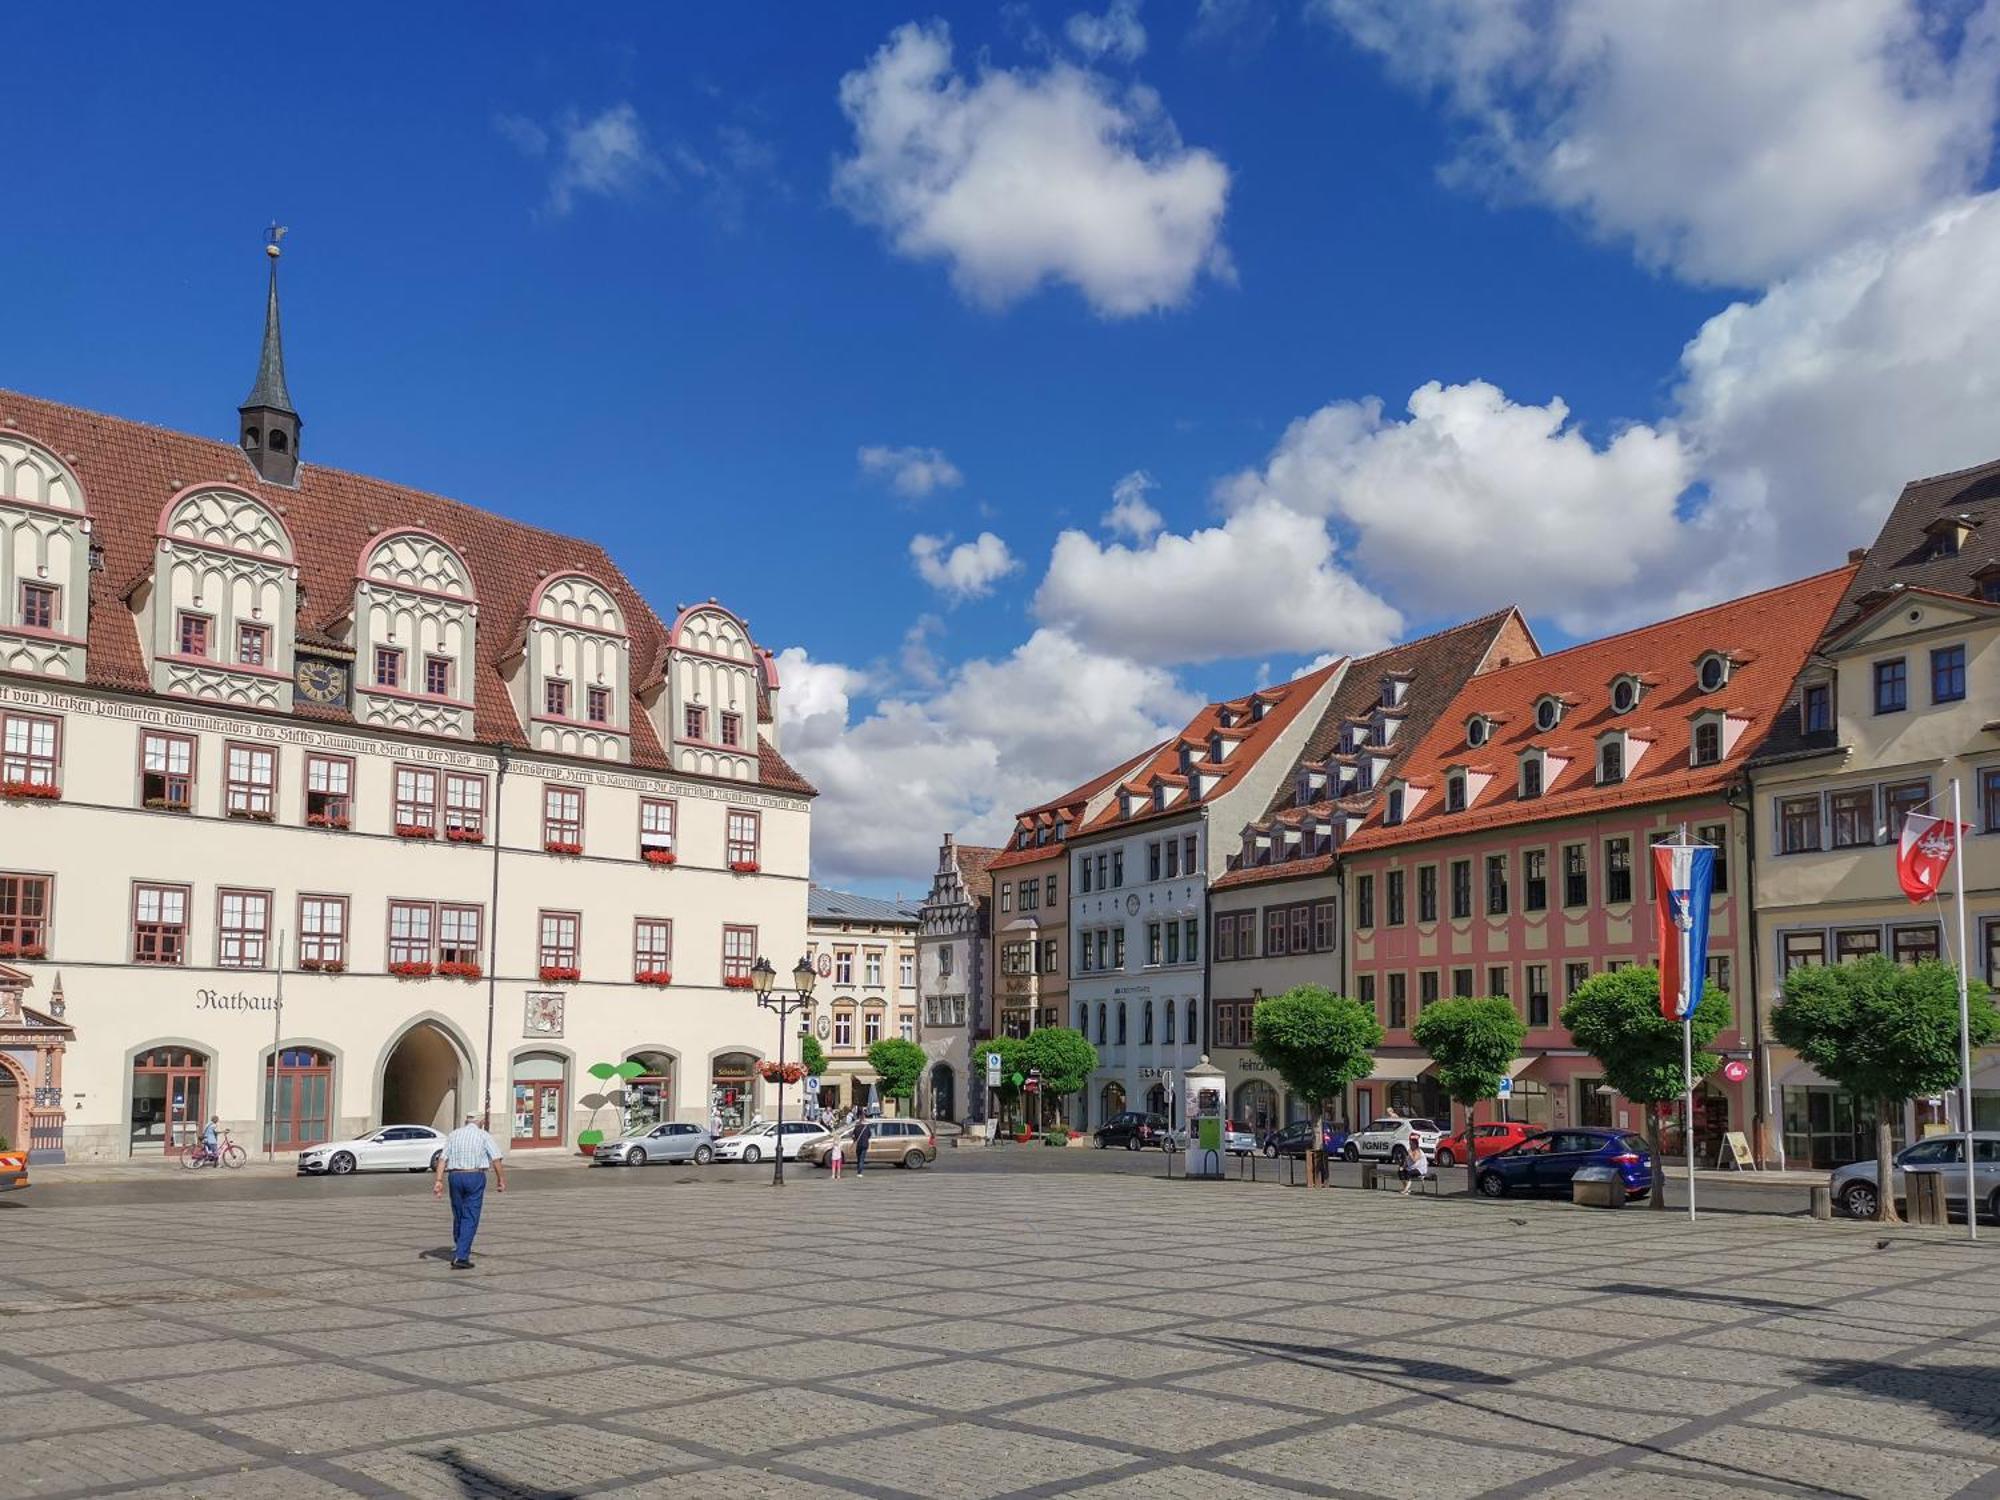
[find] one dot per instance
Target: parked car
(902, 1143)
(394, 1148)
(1134, 1129)
(1300, 1137)
(667, 1141)
(1492, 1138)
(13, 1170)
(760, 1141)
(1238, 1139)
(1389, 1140)
(1854, 1189)
(1547, 1160)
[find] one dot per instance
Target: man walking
(468, 1151)
(861, 1133)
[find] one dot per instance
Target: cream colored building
(326, 804)
(865, 953)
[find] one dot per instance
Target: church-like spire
(269, 429)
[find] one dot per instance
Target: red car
(1493, 1136)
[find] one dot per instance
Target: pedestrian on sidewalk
(468, 1152)
(833, 1158)
(861, 1134)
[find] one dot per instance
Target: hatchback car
(1238, 1139)
(902, 1143)
(1134, 1129)
(1492, 1138)
(667, 1141)
(395, 1148)
(1854, 1185)
(1390, 1140)
(1302, 1136)
(760, 1141)
(1546, 1161)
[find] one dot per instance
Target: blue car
(1545, 1163)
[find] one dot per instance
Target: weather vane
(271, 237)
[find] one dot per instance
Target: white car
(394, 1148)
(760, 1141)
(1389, 1140)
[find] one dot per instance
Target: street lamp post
(763, 976)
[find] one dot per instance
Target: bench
(1382, 1174)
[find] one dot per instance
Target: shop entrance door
(169, 1100)
(537, 1114)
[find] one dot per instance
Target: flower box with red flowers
(774, 1072)
(30, 791)
(162, 804)
(325, 820)
(22, 950)
(414, 831)
(658, 977)
(453, 970)
(557, 846)
(659, 856)
(559, 973)
(413, 971)
(744, 866)
(465, 836)
(323, 965)
(736, 981)
(251, 815)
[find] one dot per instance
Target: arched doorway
(13, 1102)
(423, 1079)
(1256, 1106)
(539, 1088)
(944, 1091)
(169, 1099)
(1111, 1099)
(649, 1098)
(732, 1091)
(298, 1099)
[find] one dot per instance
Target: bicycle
(227, 1154)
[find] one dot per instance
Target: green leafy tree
(1066, 1060)
(813, 1055)
(1616, 1018)
(1013, 1064)
(898, 1063)
(1318, 1042)
(1884, 1031)
(1473, 1043)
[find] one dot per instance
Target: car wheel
(1492, 1185)
(1350, 1152)
(1447, 1158)
(703, 1155)
(1271, 1152)
(1132, 1143)
(342, 1163)
(1994, 1206)
(752, 1154)
(636, 1157)
(1858, 1200)
(916, 1161)
(1398, 1155)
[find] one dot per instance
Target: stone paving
(979, 1336)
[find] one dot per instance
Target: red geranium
(22, 950)
(772, 1072)
(413, 830)
(558, 973)
(465, 835)
(557, 846)
(455, 970)
(744, 866)
(32, 790)
(659, 856)
(322, 965)
(736, 981)
(412, 970)
(325, 820)
(654, 976)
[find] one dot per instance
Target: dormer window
(1531, 775)
(1816, 708)
(1625, 692)
(1707, 746)
(1712, 671)
(1548, 712)
(1949, 534)
(1611, 760)
(1392, 806)
(1454, 792)
(1478, 729)
(1347, 740)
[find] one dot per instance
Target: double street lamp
(763, 977)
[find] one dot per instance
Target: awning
(1521, 1065)
(1399, 1069)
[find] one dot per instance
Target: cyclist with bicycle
(211, 1138)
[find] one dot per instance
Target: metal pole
(1964, 1021)
(1687, 1121)
(277, 1039)
(784, 1010)
(492, 942)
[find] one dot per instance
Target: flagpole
(1964, 1021)
(1687, 1076)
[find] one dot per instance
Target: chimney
(1857, 554)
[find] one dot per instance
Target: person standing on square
(861, 1133)
(468, 1152)
(833, 1157)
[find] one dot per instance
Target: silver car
(1853, 1185)
(664, 1142)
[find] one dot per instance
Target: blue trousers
(468, 1196)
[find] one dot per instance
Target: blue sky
(659, 275)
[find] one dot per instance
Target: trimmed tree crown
(1616, 1018)
(1318, 1042)
(1880, 1029)
(898, 1063)
(1473, 1042)
(1064, 1055)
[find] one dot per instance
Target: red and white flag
(1924, 853)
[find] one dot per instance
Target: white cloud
(1019, 177)
(1730, 141)
(1131, 514)
(1476, 501)
(606, 155)
(967, 571)
(999, 735)
(1264, 580)
(911, 472)
(1115, 34)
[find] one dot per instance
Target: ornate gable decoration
(416, 616)
(219, 616)
(579, 677)
(44, 562)
(711, 698)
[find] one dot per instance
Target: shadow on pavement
(481, 1483)
(1324, 1356)
(1966, 1396)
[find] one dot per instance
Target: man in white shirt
(468, 1152)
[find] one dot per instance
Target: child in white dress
(834, 1157)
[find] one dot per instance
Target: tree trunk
(1658, 1197)
(1472, 1149)
(1885, 1168)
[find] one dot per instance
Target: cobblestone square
(934, 1334)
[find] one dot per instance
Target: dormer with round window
(1626, 691)
(44, 562)
(1478, 730)
(578, 681)
(1711, 670)
(218, 612)
(711, 700)
(1548, 712)
(416, 618)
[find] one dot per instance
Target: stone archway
(423, 1079)
(944, 1092)
(15, 1093)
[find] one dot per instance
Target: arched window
(1100, 1023)
(1083, 1019)
(1168, 1017)
(649, 1098)
(1146, 1024)
(277, 440)
(1194, 1032)
(1121, 1023)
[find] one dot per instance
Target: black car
(1300, 1137)
(1134, 1129)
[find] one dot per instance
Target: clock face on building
(321, 682)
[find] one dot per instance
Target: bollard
(1822, 1201)
(1368, 1174)
(1925, 1191)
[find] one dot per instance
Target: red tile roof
(1070, 805)
(129, 469)
(1771, 632)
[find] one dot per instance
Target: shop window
(169, 1099)
(731, 1092)
(538, 1100)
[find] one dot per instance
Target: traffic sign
(812, 1084)
(1506, 1089)
(993, 1070)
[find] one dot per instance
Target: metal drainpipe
(493, 937)
(1760, 1060)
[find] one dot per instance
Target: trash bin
(1598, 1187)
(1924, 1190)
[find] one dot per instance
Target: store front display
(732, 1093)
(538, 1100)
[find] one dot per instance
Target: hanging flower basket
(773, 1072)
(465, 835)
(557, 846)
(322, 966)
(325, 820)
(460, 970)
(744, 866)
(559, 973)
(660, 978)
(30, 791)
(659, 856)
(736, 981)
(22, 950)
(413, 830)
(413, 971)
